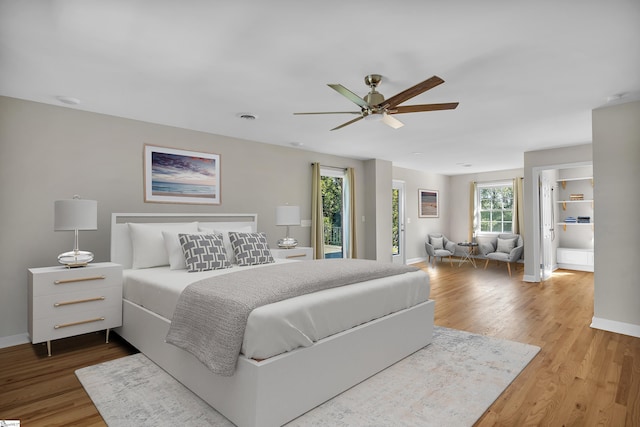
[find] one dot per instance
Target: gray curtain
(350, 198)
(472, 210)
(518, 206)
(317, 225)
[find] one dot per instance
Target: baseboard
(12, 340)
(579, 267)
(615, 326)
(416, 260)
(529, 278)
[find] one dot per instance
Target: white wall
(378, 206)
(534, 163)
(49, 153)
(616, 168)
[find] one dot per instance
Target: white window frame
(479, 187)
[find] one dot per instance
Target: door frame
(401, 258)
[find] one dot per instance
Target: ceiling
(526, 74)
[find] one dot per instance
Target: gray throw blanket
(211, 315)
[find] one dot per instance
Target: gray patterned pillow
(250, 248)
(203, 252)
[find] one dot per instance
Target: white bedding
(289, 324)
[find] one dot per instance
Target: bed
(270, 386)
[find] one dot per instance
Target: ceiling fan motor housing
(374, 98)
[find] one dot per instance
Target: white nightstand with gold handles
(64, 302)
(299, 253)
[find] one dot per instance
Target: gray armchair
(505, 247)
(438, 245)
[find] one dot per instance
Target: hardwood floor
(581, 377)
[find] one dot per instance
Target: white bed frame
(279, 389)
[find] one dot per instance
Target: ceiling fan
(374, 103)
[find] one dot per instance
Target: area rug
(450, 382)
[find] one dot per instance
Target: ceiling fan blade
(423, 107)
(391, 121)
(350, 95)
(348, 123)
(411, 92)
(331, 112)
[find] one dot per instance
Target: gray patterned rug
(451, 382)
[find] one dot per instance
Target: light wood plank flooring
(581, 377)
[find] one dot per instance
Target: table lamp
(75, 214)
(287, 215)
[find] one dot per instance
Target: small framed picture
(180, 176)
(428, 203)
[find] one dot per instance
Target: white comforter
(286, 325)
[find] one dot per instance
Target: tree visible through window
(495, 208)
(332, 212)
(395, 224)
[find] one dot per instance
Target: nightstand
(299, 253)
(64, 302)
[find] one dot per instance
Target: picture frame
(174, 175)
(428, 204)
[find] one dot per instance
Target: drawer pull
(82, 322)
(78, 301)
(79, 279)
(296, 256)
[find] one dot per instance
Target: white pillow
(231, 257)
(148, 244)
(174, 249)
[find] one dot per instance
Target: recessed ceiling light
(464, 164)
(417, 153)
(68, 100)
(247, 116)
(616, 96)
(297, 144)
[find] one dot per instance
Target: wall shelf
(564, 203)
(564, 181)
(574, 224)
(575, 243)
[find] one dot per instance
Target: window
(494, 207)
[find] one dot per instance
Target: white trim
(529, 278)
(11, 340)
(416, 260)
(615, 326)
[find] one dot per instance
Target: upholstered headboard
(121, 249)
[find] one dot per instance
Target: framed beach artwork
(428, 203)
(181, 176)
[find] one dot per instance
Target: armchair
(506, 248)
(438, 245)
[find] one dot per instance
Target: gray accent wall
(616, 170)
(49, 153)
(416, 228)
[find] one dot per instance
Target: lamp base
(287, 243)
(75, 258)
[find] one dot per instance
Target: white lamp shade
(75, 214)
(288, 215)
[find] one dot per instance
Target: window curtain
(518, 206)
(350, 202)
(472, 210)
(317, 225)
